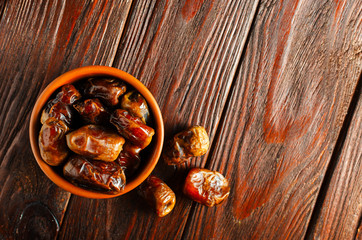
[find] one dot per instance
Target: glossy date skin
(60, 106)
(207, 187)
(136, 105)
(59, 111)
(93, 141)
(52, 143)
(158, 195)
(132, 128)
(92, 111)
(129, 159)
(93, 174)
(68, 95)
(109, 90)
(192, 142)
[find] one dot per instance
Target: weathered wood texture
(340, 211)
(273, 127)
(288, 103)
(39, 41)
(186, 52)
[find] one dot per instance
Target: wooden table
(276, 84)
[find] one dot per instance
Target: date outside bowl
(149, 161)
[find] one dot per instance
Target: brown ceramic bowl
(154, 152)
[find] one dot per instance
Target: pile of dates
(207, 187)
(94, 131)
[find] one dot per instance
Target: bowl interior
(153, 153)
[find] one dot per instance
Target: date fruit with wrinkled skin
(59, 111)
(92, 111)
(95, 142)
(109, 90)
(192, 142)
(59, 107)
(129, 159)
(207, 187)
(52, 143)
(158, 195)
(136, 105)
(132, 128)
(97, 175)
(68, 95)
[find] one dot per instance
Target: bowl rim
(73, 76)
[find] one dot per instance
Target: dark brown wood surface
(272, 82)
(338, 214)
(38, 43)
(282, 120)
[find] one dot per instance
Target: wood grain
(274, 119)
(41, 41)
(188, 62)
(338, 215)
(287, 106)
(186, 52)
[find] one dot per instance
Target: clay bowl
(154, 150)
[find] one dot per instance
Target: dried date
(60, 106)
(132, 128)
(207, 187)
(95, 142)
(129, 159)
(135, 104)
(109, 90)
(158, 195)
(96, 175)
(59, 111)
(192, 142)
(68, 95)
(52, 143)
(92, 111)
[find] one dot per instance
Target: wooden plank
(287, 106)
(339, 206)
(186, 52)
(40, 41)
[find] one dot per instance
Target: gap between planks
(2, 8)
(64, 216)
(223, 114)
(358, 233)
(130, 9)
(334, 160)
